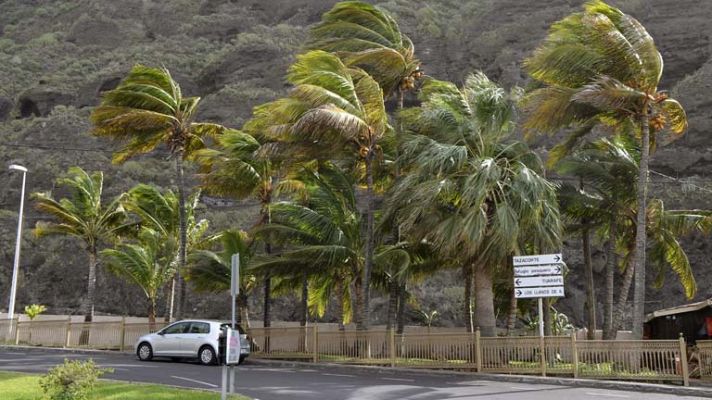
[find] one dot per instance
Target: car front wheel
(144, 352)
(207, 355)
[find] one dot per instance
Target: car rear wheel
(206, 355)
(144, 352)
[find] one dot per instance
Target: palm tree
(236, 170)
(471, 192)
(160, 211)
(210, 271)
(149, 263)
(333, 111)
(609, 168)
(84, 217)
(146, 110)
(601, 67)
(367, 37)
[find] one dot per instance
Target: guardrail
(652, 360)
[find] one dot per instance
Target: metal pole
(223, 391)
(233, 377)
(541, 316)
(16, 265)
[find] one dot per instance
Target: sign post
(232, 339)
(538, 276)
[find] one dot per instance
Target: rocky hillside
(56, 56)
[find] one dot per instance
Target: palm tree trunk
(547, 316)
(484, 302)
(640, 231)
(467, 306)
(183, 234)
(304, 311)
(88, 303)
(590, 290)
(152, 314)
(243, 314)
(608, 333)
(392, 303)
(170, 298)
(400, 318)
(512, 320)
(619, 311)
(364, 321)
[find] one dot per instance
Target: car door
(196, 337)
(168, 341)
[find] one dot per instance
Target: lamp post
(16, 265)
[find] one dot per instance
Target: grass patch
(17, 386)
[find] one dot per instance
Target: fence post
(542, 351)
(683, 361)
(68, 332)
(123, 333)
(574, 354)
(17, 331)
(316, 342)
(478, 351)
(392, 345)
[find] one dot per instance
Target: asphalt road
(280, 383)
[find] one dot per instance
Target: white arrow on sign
(535, 270)
(554, 280)
(537, 259)
(528, 293)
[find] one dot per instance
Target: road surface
(263, 382)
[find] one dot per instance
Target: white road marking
(607, 395)
(194, 381)
(342, 375)
(399, 379)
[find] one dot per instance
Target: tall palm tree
(84, 217)
(601, 67)
(609, 168)
(367, 37)
(160, 211)
(210, 271)
(472, 192)
(334, 111)
(147, 110)
(235, 169)
(149, 263)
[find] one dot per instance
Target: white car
(201, 339)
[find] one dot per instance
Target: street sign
(532, 292)
(537, 259)
(232, 347)
(534, 281)
(536, 270)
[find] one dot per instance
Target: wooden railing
(652, 360)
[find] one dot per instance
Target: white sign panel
(232, 347)
(537, 259)
(536, 270)
(532, 292)
(235, 275)
(554, 280)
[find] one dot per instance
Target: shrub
(72, 380)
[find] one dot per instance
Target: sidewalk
(697, 390)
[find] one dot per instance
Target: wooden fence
(653, 360)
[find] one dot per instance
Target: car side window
(177, 328)
(199, 327)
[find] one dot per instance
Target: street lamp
(16, 265)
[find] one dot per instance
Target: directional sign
(528, 293)
(538, 259)
(554, 280)
(536, 270)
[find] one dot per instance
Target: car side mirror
(161, 333)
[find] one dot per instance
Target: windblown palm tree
(82, 216)
(159, 211)
(367, 37)
(472, 192)
(334, 111)
(149, 263)
(211, 271)
(609, 168)
(148, 110)
(601, 67)
(236, 170)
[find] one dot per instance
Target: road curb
(559, 381)
(697, 391)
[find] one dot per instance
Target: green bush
(72, 380)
